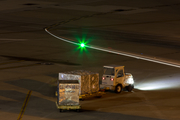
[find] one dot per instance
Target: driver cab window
(120, 73)
(109, 71)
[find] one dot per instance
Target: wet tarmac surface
(30, 59)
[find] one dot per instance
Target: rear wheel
(118, 89)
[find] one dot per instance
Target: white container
(88, 81)
(68, 92)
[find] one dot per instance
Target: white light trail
(160, 83)
(147, 58)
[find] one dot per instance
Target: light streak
(160, 83)
(137, 56)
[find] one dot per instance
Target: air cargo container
(88, 82)
(68, 95)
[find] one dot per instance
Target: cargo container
(68, 95)
(88, 82)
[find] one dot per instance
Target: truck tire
(118, 89)
(130, 88)
(60, 110)
(77, 110)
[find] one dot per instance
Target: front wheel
(77, 110)
(118, 89)
(130, 88)
(60, 110)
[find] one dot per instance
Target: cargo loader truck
(114, 78)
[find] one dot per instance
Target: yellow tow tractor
(114, 78)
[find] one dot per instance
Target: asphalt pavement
(30, 59)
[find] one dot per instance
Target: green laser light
(82, 45)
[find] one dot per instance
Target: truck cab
(114, 78)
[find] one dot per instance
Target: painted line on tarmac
(19, 66)
(132, 55)
(24, 105)
(128, 54)
(4, 63)
(28, 31)
(12, 39)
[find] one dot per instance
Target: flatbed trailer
(96, 94)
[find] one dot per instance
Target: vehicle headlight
(130, 80)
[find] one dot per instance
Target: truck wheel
(118, 89)
(130, 88)
(60, 110)
(77, 110)
(81, 99)
(99, 96)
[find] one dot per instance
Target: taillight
(103, 78)
(112, 79)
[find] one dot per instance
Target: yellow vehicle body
(114, 78)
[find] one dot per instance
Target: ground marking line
(24, 105)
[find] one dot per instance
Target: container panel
(88, 81)
(68, 94)
(94, 85)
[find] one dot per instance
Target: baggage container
(88, 81)
(68, 93)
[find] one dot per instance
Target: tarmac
(30, 59)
